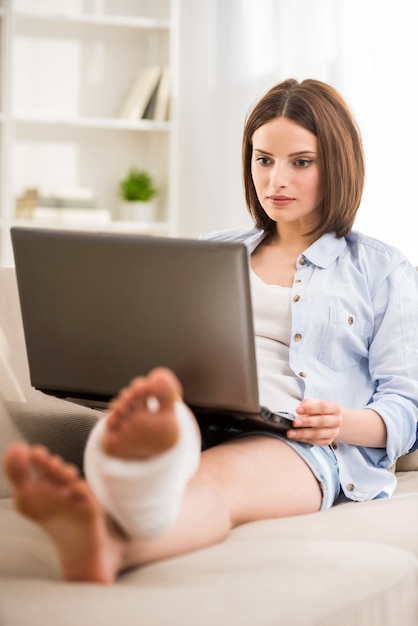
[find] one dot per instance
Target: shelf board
(155, 228)
(160, 228)
(95, 123)
(98, 20)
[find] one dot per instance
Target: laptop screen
(100, 308)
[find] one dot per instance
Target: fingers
(314, 436)
(317, 422)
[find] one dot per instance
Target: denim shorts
(323, 464)
(320, 459)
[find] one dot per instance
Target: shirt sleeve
(393, 358)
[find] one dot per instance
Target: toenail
(152, 404)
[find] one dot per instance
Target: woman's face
(286, 172)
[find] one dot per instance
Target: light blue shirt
(355, 341)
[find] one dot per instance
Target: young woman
(335, 317)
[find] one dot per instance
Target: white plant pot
(137, 211)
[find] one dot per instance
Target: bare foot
(51, 493)
(142, 420)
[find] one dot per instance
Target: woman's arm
(321, 422)
(390, 419)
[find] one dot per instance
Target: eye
(303, 162)
(263, 160)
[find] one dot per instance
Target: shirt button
(296, 298)
(350, 487)
(298, 280)
(297, 337)
(351, 320)
(334, 445)
(303, 261)
(303, 374)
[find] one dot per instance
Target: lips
(280, 200)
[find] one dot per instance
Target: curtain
(232, 51)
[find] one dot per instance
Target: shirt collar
(321, 253)
(254, 239)
(325, 250)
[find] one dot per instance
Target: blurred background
(66, 140)
(234, 50)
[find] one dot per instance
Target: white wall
(232, 51)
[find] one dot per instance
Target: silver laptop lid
(101, 308)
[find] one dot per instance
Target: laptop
(100, 308)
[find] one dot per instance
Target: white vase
(137, 211)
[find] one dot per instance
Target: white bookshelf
(66, 67)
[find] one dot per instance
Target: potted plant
(137, 191)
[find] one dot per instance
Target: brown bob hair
(320, 109)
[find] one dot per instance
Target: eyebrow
(293, 154)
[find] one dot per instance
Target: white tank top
(279, 388)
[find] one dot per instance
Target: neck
(291, 240)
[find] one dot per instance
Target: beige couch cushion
(387, 521)
(255, 583)
(408, 462)
(261, 574)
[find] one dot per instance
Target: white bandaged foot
(144, 497)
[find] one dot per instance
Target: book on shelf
(61, 206)
(149, 95)
(141, 93)
(150, 108)
(68, 216)
(162, 102)
(51, 196)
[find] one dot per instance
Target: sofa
(353, 565)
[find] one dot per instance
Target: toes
(168, 381)
(157, 391)
(52, 467)
(17, 465)
(165, 387)
(80, 492)
(57, 470)
(39, 457)
(130, 398)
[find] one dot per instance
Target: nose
(278, 176)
